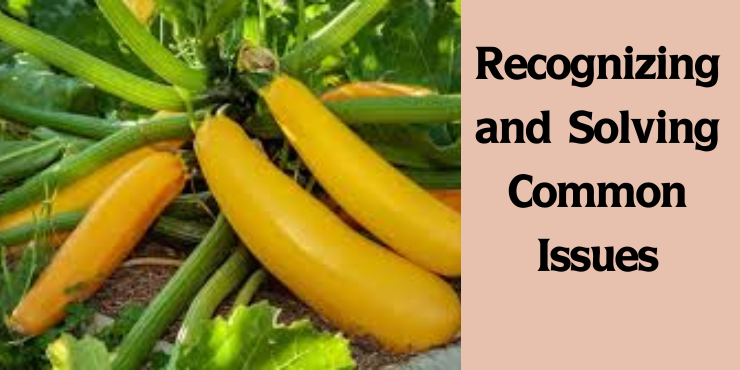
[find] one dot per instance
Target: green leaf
(19, 8)
(458, 7)
(418, 42)
(16, 280)
(113, 334)
(68, 353)
(27, 80)
(81, 24)
(252, 339)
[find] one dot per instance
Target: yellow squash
(359, 286)
(108, 233)
(80, 195)
(142, 9)
(358, 90)
(387, 203)
(371, 89)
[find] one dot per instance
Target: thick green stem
(76, 62)
(174, 297)
(91, 127)
(73, 144)
(333, 36)
(20, 164)
(399, 110)
(42, 226)
(149, 50)
(172, 229)
(86, 162)
(192, 206)
(247, 292)
(178, 231)
(218, 287)
(224, 15)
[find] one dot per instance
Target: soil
(139, 284)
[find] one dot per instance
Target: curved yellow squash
(80, 195)
(387, 203)
(107, 234)
(358, 285)
(372, 89)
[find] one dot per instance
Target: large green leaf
(418, 42)
(80, 23)
(68, 353)
(252, 339)
(27, 80)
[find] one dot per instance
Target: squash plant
(94, 102)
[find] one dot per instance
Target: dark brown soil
(140, 284)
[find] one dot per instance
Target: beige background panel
(685, 315)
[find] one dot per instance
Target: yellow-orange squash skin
(108, 233)
(388, 204)
(358, 285)
(358, 90)
(372, 89)
(80, 195)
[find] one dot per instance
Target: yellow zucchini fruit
(451, 197)
(358, 90)
(383, 200)
(104, 238)
(373, 89)
(80, 195)
(356, 284)
(142, 9)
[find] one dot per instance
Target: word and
(560, 195)
(605, 130)
(516, 67)
(582, 259)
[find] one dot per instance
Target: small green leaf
(68, 353)
(252, 339)
(458, 7)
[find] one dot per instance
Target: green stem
(333, 36)
(301, 37)
(179, 231)
(224, 281)
(247, 292)
(91, 127)
(435, 179)
(149, 50)
(192, 206)
(262, 22)
(399, 110)
(78, 166)
(42, 226)
(76, 62)
(224, 15)
(20, 164)
(172, 229)
(174, 297)
(73, 144)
